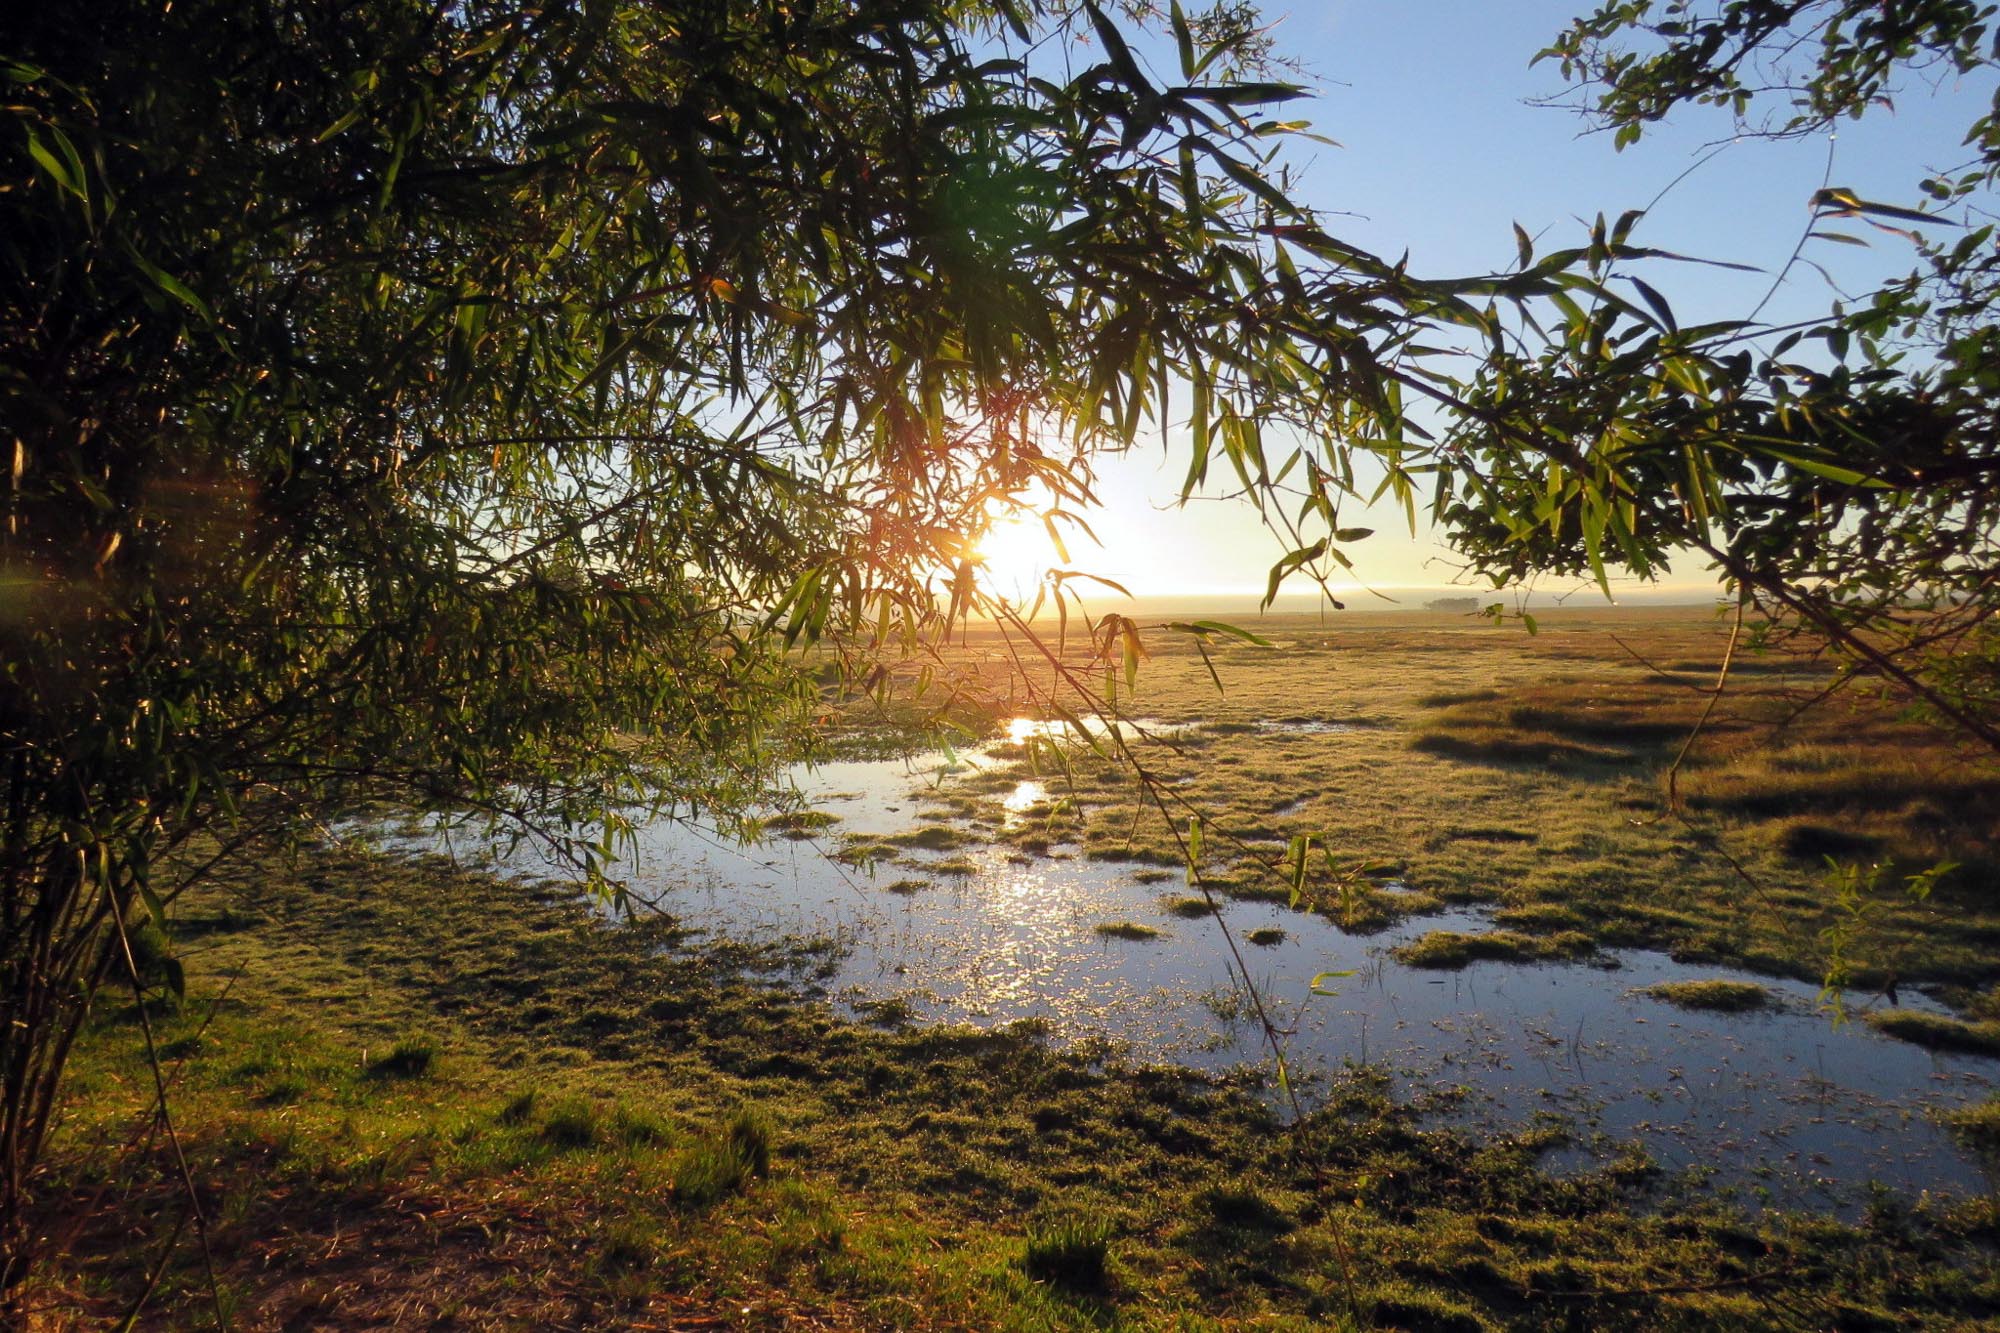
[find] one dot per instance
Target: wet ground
(1781, 1103)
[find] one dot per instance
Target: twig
(167, 1122)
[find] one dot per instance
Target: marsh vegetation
(1000, 1069)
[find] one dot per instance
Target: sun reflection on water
(1000, 937)
(1025, 796)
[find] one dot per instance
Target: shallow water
(1780, 1104)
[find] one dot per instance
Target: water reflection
(1778, 1101)
(1021, 730)
(1025, 796)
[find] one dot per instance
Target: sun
(1015, 554)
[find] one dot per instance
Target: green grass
(723, 1162)
(409, 1059)
(1937, 1032)
(1125, 930)
(572, 1144)
(1978, 1126)
(1718, 996)
(719, 1144)
(1071, 1254)
(1450, 950)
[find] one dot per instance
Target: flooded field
(1782, 1104)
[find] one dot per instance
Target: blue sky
(1440, 152)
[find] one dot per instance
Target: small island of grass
(1723, 997)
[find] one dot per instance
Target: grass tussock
(1125, 930)
(723, 1162)
(408, 1059)
(1978, 1126)
(1072, 1253)
(1717, 996)
(1450, 949)
(1936, 1031)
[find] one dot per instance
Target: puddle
(1779, 1104)
(1024, 729)
(1307, 726)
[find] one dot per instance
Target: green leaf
(169, 284)
(1206, 627)
(1291, 561)
(1657, 302)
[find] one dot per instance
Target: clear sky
(1441, 151)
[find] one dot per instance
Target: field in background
(1475, 762)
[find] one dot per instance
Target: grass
(1718, 996)
(1265, 935)
(723, 1163)
(1527, 773)
(409, 1059)
(1936, 1031)
(613, 1129)
(1451, 950)
(725, 1145)
(1978, 1126)
(1070, 1254)
(1125, 930)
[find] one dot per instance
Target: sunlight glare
(1016, 555)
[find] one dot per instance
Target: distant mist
(1242, 604)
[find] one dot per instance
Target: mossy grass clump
(1718, 996)
(408, 1059)
(1978, 1126)
(805, 822)
(723, 1162)
(1189, 907)
(1266, 935)
(891, 1011)
(866, 852)
(932, 838)
(1451, 949)
(906, 887)
(1126, 930)
(1937, 1032)
(572, 1124)
(1070, 1253)
(637, 1127)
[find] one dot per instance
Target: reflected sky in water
(1781, 1101)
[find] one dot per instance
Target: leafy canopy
(471, 404)
(476, 403)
